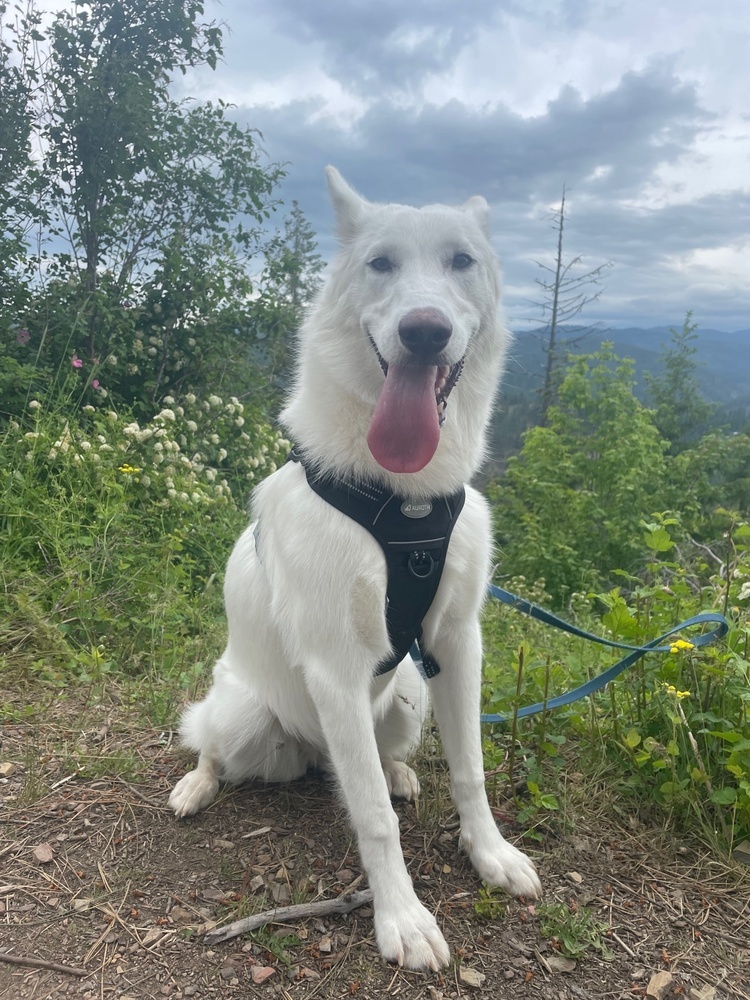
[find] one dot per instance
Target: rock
(7, 769)
(260, 973)
(659, 985)
(575, 877)
(325, 944)
(471, 977)
(181, 916)
(225, 845)
(559, 963)
(281, 893)
(81, 905)
(742, 852)
(257, 884)
(43, 854)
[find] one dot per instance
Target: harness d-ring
(421, 564)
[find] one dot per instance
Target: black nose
(425, 331)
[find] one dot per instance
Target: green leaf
(724, 796)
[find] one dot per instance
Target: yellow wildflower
(128, 470)
(679, 644)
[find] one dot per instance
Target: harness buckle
(421, 565)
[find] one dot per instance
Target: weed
(573, 929)
(492, 903)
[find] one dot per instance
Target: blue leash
(596, 683)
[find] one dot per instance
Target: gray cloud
(383, 46)
(453, 151)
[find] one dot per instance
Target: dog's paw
(401, 780)
(410, 937)
(193, 793)
(503, 865)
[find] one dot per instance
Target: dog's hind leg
(236, 738)
(398, 730)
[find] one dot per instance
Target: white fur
(295, 685)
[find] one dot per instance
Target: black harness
(413, 535)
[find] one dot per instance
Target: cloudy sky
(640, 107)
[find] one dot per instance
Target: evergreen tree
(680, 412)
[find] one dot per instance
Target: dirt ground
(96, 875)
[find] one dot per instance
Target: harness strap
(414, 537)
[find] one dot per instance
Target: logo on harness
(411, 509)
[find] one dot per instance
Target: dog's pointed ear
(478, 207)
(347, 204)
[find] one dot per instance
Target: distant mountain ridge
(723, 373)
(723, 357)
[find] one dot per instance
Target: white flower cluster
(186, 455)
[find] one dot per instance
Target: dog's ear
(347, 204)
(478, 207)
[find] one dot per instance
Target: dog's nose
(425, 331)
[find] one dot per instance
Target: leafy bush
(111, 530)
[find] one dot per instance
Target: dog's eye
(381, 264)
(461, 261)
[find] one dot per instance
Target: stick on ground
(284, 914)
(40, 963)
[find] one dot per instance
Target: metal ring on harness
(421, 565)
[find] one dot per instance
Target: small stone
(190, 990)
(260, 973)
(306, 973)
(575, 877)
(7, 769)
(227, 971)
(471, 977)
(225, 845)
(43, 854)
(181, 916)
(659, 985)
(257, 884)
(346, 875)
(81, 905)
(638, 972)
(435, 994)
(559, 963)
(281, 893)
(325, 944)
(153, 937)
(508, 973)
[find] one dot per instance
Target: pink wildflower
(95, 383)
(76, 361)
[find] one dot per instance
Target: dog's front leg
(456, 693)
(405, 931)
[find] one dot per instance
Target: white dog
(412, 296)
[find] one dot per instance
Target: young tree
(680, 410)
(150, 210)
(290, 281)
(564, 296)
(569, 506)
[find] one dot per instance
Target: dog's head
(420, 284)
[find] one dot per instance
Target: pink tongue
(404, 430)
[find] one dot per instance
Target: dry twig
(40, 963)
(284, 914)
